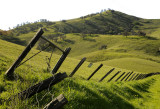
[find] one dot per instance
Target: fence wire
(26, 104)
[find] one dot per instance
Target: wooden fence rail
(40, 86)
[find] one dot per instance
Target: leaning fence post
(57, 103)
(135, 77)
(138, 76)
(114, 76)
(95, 71)
(106, 75)
(77, 67)
(132, 77)
(128, 76)
(125, 76)
(144, 76)
(10, 71)
(59, 63)
(120, 76)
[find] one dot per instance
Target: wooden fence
(57, 77)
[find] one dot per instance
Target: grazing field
(127, 46)
(136, 64)
(79, 92)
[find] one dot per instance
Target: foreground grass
(79, 92)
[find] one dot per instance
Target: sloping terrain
(94, 37)
(80, 93)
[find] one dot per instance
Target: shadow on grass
(126, 92)
(143, 87)
(151, 38)
(69, 41)
(2, 88)
(89, 39)
(93, 99)
(82, 96)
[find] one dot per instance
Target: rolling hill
(79, 92)
(111, 38)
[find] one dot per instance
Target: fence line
(128, 76)
(94, 72)
(120, 76)
(114, 76)
(125, 76)
(56, 78)
(77, 67)
(106, 75)
(131, 77)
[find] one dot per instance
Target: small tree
(125, 33)
(141, 33)
(83, 35)
(63, 36)
(103, 47)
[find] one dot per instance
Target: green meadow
(80, 92)
(86, 36)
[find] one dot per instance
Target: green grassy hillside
(79, 92)
(108, 22)
(118, 46)
(86, 36)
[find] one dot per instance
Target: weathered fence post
(57, 103)
(10, 71)
(120, 76)
(114, 76)
(125, 76)
(144, 76)
(94, 72)
(128, 76)
(135, 77)
(45, 84)
(59, 63)
(132, 77)
(77, 67)
(138, 76)
(106, 75)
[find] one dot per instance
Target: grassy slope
(80, 93)
(139, 48)
(133, 53)
(151, 27)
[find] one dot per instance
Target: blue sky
(15, 12)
